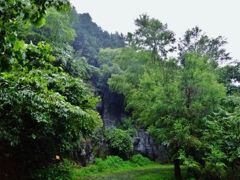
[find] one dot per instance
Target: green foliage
(42, 113)
(90, 38)
(58, 26)
(214, 164)
(140, 160)
(106, 65)
(222, 138)
(171, 100)
(153, 35)
(79, 67)
(128, 126)
(60, 171)
(229, 75)
(110, 164)
(119, 139)
(113, 164)
(189, 162)
(132, 64)
(194, 40)
(15, 12)
(59, 33)
(126, 123)
(202, 91)
(72, 63)
(43, 110)
(57, 30)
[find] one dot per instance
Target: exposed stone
(111, 108)
(112, 111)
(145, 145)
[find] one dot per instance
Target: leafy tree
(132, 65)
(42, 113)
(106, 65)
(172, 100)
(154, 36)
(59, 33)
(229, 76)
(26, 12)
(194, 40)
(221, 139)
(43, 110)
(58, 27)
(56, 31)
(120, 141)
(179, 110)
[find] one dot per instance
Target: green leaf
(34, 136)
(10, 2)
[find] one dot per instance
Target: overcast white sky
(214, 17)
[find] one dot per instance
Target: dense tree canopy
(174, 99)
(14, 12)
(43, 110)
(90, 38)
(49, 54)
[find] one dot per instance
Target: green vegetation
(53, 64)
(113, 166)
(63, 170)
(119, 140)
(175, 98)
(44, 111)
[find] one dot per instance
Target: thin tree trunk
(177, 169)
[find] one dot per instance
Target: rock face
(111, 108)
(144, 145)
(112, 111)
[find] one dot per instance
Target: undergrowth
(114, 164)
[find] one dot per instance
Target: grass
(139, 168)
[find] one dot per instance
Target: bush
(140, 160)
(62, 171)
(100, 164)
(112, 162)
(119, 139)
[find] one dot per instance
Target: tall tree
(43, 110)
(153, 35)
(172, 100)
(179, 100)
(194, 40)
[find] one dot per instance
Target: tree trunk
(177, 169)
